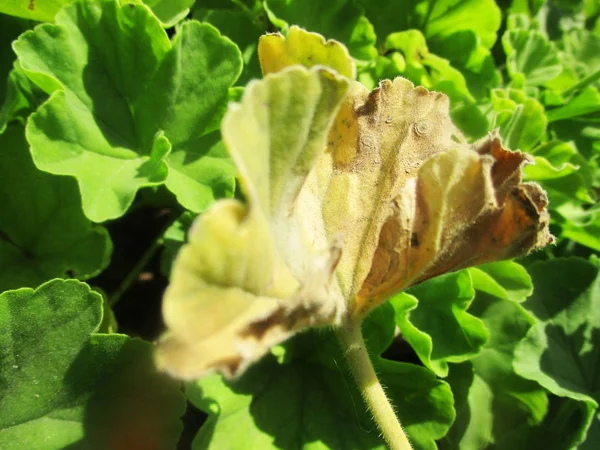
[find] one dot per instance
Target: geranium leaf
(43, 232)
(65, 385)
(494, 405)
(169, 12)
(426, 69)
(305, 48)
(530, 55)
(336, 202)
(521, 118)
(505, 279)
(433, 319)
(104, 119)
(242, 29)
(560, 351)
(438, 20)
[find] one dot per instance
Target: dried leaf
(345, 208)
(245, 282)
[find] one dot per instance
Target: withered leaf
(352, 196)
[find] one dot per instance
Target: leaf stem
(582, 83)
(135, 271)
(379, 405)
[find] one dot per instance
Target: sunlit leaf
(129, 112)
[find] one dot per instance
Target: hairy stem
(379, 405)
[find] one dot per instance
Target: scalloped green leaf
(496, 407)
(461, 31)
(169, 12)
(521, 118)
(22, 98)
(561, 351)
(342, 20)
(243, 29)
(565, 303)
(583, 103)
(438, 19)
(433, 319)
(322, 408)
(65, 385)
(424, 68)
(542, 170)
(530, 56)
(43, 232)
(503, 279)
(128, 108)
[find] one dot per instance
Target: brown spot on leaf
(414, 240)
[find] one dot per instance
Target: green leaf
(241, 29)
(530, 55)
(583, 46)
(343, 20)
(320, 397)
(542, 169)
(42, 11)
(438, 19)
(169, 12)
(113, 97)
(588, 234)
(461, 31)
(426, 69)
(63, 385)
(22, 98)
(173, 239)
(466, 52)
(521, 119)
(43, 232)
(433, 319)
(471, 120)
(506, 280)
(494, 405)
(10, 28)
(584, 103)
(561, 351)
(14, 98)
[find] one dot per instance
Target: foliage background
(110, 146)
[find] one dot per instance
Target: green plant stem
(583, 83)
(379, 405)
(135, 271)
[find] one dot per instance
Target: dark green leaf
(561, 351)
(43, 232)
(65, 387)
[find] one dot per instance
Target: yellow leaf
(305, 48)
(245, 282)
